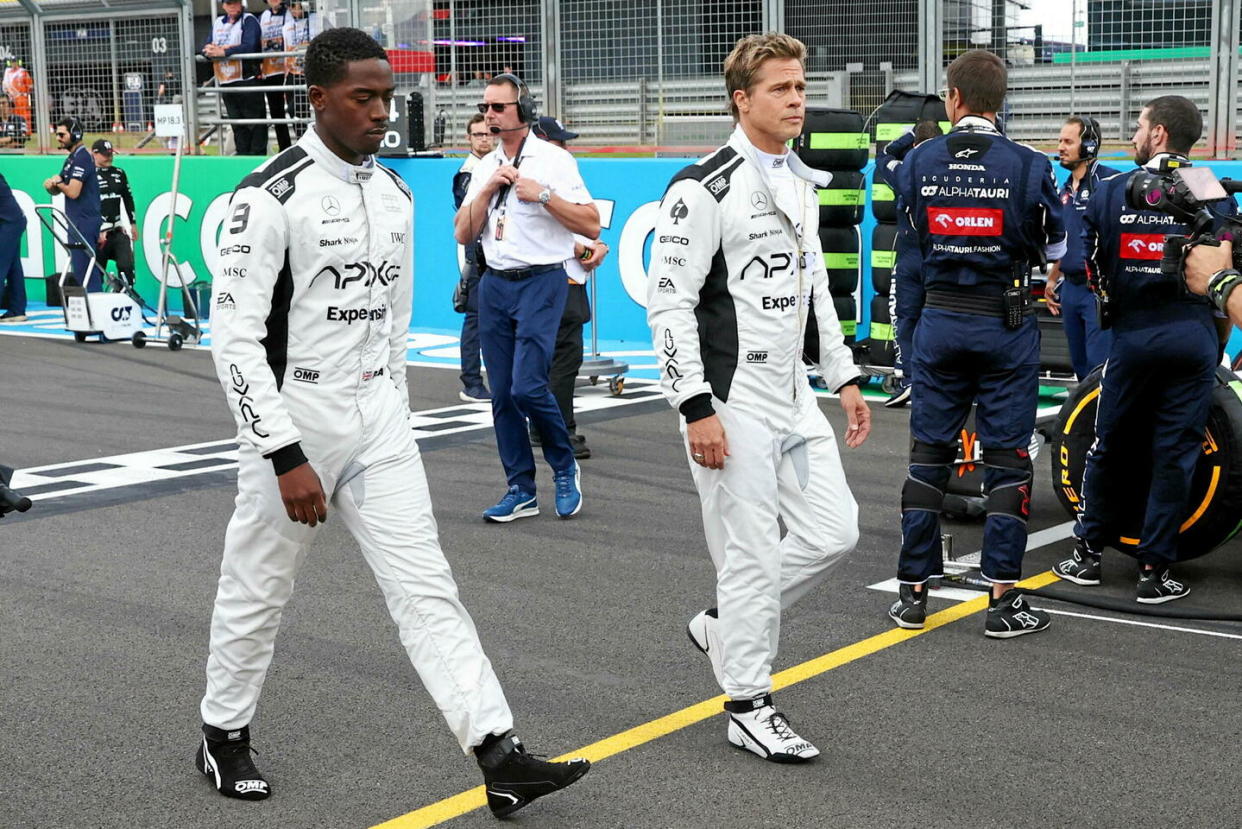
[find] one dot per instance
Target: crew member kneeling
(985, 210)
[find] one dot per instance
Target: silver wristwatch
(545, 196)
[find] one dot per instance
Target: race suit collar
(739, 142)
(975, 122)
(1153, 163)
(333, 163)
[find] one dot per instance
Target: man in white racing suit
(734, 265)
(312, 305)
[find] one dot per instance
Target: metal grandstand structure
(644, 75)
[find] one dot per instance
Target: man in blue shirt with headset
(1067, 292)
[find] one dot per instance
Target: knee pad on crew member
(924, 488)
(1012, 495)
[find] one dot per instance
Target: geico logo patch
(966, 221)
(675, 240)
(1142, 246)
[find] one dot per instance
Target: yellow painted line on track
(475, 798)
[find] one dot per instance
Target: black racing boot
(514, 778)
(224, 756)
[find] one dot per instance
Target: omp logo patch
(1142, 246)
(756, 356)
(306, 375)
(966, 221)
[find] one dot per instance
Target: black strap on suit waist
(968, 303)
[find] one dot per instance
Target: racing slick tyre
(1214, 507)
(847, 315)
(883, 202)
(841, 258)
(833, 139)
(883, 349)
(841, 202)
(883, 257)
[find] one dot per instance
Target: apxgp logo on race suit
(966, 221)
(1142, 246)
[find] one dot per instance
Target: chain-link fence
(16, 54)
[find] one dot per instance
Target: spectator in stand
(18, 86)
(13, 128)
(301, 26)
(272, 70)
(237, 32)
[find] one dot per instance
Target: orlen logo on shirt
(966, 221)
(1142, 246)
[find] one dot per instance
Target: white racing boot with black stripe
(704, 633)
(756, 725)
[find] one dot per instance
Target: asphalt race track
(106, 589)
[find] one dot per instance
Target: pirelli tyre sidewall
(1214, 508)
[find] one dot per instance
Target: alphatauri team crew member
(1158, 377)
(736, 258)
(985, 210)
(312, 302)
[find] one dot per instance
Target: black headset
(1090, 146)
(75, 130)
(527, 110)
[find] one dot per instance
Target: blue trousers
(960, 359)
(518, 320)
(905, 308)
(12, 279)
(471, 364)
(1088, 343)
(1155, 396)
(81, 258)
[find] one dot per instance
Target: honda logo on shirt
(1142, 246)
(966, 221)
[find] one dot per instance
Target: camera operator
(237, 32)
(1210, 272)
(1159, 372)
(1067, 292)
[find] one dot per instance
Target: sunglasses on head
(497, 107)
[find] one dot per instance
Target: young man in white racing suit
(312, 305)
(733, 268)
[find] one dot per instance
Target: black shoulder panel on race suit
(714, 172)
(278, 176)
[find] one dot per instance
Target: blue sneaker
(515, 504)
(568, 492)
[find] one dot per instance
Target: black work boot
(514, 778)
(224, 756)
